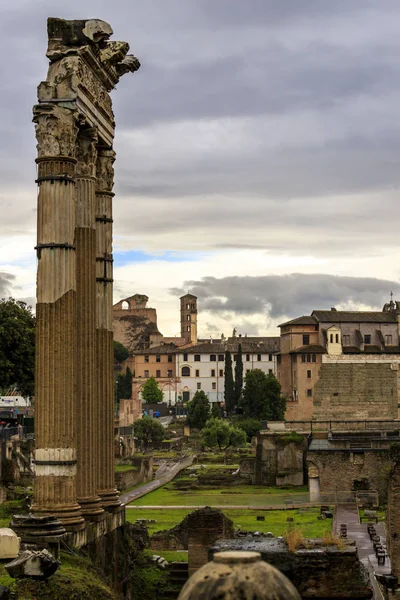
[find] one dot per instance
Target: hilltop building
(341, 364)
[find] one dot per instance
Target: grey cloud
(6, 283)
(281, 296)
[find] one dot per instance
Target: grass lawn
(381, 512)
(170, 555)
(121, 468)
(275, 520)
(246, 495)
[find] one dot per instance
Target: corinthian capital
(56, 130)
(105, 170)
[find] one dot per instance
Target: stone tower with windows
(189, 318)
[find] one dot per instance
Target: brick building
(341, 364)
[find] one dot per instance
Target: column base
(91, 508)
(69, 515)
(110, 500)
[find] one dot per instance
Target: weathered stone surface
(238, 575)
(319, 572)
(9, 543)
(4, 593)
(37, 565)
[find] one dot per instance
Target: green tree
(262, 398)
(120, 352)
(148, 432)
(151, 393)
(198, 410)
(124, 385)
(229, 391)
(238, 376)
(222, 434)
(216, 410)
(17, 346)
(250, 426)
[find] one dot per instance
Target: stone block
(9, 543)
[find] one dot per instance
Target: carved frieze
(86, 153)
(105, 170)
(56, 130)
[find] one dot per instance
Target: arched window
(188, 328)
(185, 372)
(188, 318)
(337, 338)
(125, 305)
(331, 338)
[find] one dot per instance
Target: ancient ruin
(75, 128)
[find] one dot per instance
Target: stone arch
(125, 305)
(185, 371)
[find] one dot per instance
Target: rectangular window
(169, 373)
(158, 373)
(146, 374)
(197, 358)
(306, 339)
(259, 357)
(158, 358)
(303, 358)
(314, 358)
(212, 372)
(270, 358)
(270, 371)
(309, 393)
(169, 357)
(235, 357)
(221, 372)
(367, 339)
(185, 357)
(199, 386)
(146, 358)
(248, 357)
(309, 374)
(221, 357)
(213, 357)
(388, 340)
(214, 386)
(308, 357)
(197, 373)
(346, 340)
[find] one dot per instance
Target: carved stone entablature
(105, 170)
(56, 130)
(86, 153)
(84, 68)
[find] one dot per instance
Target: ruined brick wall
(278, 462)
(338, 470)
(205, 527)
(356, 389)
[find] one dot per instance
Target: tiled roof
(266, 345)
(343, 316)
(304, 320)
(310, 348)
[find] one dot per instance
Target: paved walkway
(348, 513)
(165, 473)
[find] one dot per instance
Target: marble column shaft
(104, 330)
(86, 372)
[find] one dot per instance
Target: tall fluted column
(86, 372)
(55, 432)
(104, 331)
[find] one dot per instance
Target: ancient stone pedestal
(38, 532)
(238, 575)
(9, 543)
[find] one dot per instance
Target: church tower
(189, 318)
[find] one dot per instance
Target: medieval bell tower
(189, 318)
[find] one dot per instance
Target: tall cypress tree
(229, 384)
(238, 376)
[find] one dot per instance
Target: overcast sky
(258, 154)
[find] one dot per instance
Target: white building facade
(202, 366)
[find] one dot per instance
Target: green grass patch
(381, 513)
(245, 495)
(275, 520)
(10, 508)
(123, 468)
(170, 555)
